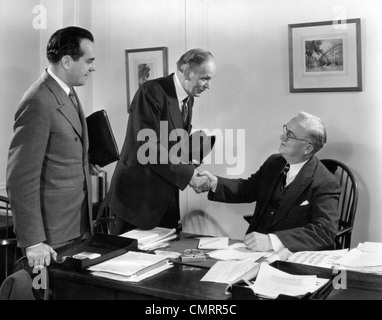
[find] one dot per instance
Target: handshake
(203, 181)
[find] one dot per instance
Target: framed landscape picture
(325, 56)
(142, 65)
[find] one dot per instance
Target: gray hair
(315, 129)
(193, 58)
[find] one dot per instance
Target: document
(131, 264)
(375, 247)
(236, 251)
(357, 258)
(134, 278)
(213, 243)
(227, 271)
(324, 259)
(151, 239)
(271, 282)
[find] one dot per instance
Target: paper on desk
(149, 239)
(324, 259)
(129, 263)
(236, 251)
(375, 247)
(227, 271)
(357, 258)
(271, 282)
(213, 243)
(133, 278)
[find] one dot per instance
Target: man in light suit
(143, 193)
(300, 214)
(48, 177)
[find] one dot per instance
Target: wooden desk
(181, 282)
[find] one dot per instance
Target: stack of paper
(367, 257)
(151, 239)
(271, 282)
(131, 266)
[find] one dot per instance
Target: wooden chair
(348, 201)
(105, 221)
(8, 242)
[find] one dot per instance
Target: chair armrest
(343, 231)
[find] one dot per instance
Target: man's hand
(95, 169)
(199, 183)
(40, 255)
(258, 241)
(212, 179)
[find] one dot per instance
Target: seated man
(298, 214)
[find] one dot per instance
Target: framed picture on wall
(142, 65)
(325, 56)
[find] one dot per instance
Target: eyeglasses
(290, 135)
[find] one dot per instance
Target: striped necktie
(284, 173)
(72, 97)
(185, 110)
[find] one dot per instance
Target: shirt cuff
(276, 243)
(35, 245)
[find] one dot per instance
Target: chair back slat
(348, 200)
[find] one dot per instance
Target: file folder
(103, 149)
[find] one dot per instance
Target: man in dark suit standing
(48, 175)
(297, 197)
(144, 192)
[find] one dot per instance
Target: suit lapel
(65, 105)
(294, 190)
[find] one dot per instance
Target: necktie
(72, 97)
(284, 176)
(185, 110)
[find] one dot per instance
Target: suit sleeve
(148, 113)
(239, 190)
(320, 232)
(25, 165)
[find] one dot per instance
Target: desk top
(181, 282)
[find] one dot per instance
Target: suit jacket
(307, 218)
(140, 193)
(48, 171)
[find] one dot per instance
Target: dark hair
(67, 41)
(193, 58)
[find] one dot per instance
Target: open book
(151, 239)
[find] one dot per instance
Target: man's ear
(187, 72)
(66, 62)
(309, 149)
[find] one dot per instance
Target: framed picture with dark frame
(142, 65)
(325, 56)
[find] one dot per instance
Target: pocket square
(304, 203)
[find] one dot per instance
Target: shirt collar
(181, 94)
(62, 84)
(295, 169)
